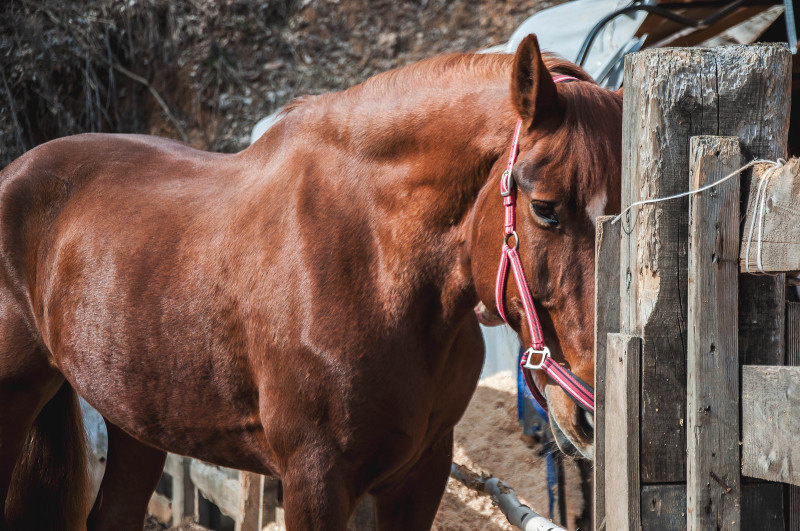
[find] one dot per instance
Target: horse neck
(423, 160)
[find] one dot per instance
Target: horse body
(302, 308)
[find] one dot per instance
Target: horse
(304, 308)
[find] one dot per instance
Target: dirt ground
(488, 441)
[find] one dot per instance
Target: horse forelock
(587, 145)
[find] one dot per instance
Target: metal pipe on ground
(516, 512)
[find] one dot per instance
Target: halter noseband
(576, 388)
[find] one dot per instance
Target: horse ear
(533, 91)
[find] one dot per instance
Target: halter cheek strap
(577, 389)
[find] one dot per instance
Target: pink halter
(576, 388)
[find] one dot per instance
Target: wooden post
(606, 320)
(182, 489)
(271, 510)
(671, 95)
(249, 517)
(712, 366)
(622, 432)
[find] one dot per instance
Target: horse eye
(545, 211)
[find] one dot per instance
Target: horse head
(567, 173)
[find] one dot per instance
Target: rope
(761, 199)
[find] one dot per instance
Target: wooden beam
(671, 95)
(622, 432)
(217, 487)
(771, 422)
(712, 366)
(606, 320)
(780, 222)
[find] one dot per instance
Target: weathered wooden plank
(662, 507)
(762, 506)
(712, 365)
(622, 431)
(271, 511)
(762, 319)
(606, 320)
(779, 223)
(793, 359)
(182, 489)
(671, 95)
(217, 487)
(249, 517)
(771, 422)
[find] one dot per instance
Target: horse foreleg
(412, 504)
(315, 495)
(132, 473)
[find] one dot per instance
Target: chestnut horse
(304, 308)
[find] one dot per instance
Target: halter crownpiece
(576, 388)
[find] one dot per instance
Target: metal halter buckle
(508, 179)
(516, 239)
(544, 351)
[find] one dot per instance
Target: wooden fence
(695, 404)
(198, 492)
(204, 494)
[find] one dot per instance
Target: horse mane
(441, 70)
(589, 108)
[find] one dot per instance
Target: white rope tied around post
(761, 199)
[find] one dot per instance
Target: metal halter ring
(516, 239)
(508, 179)
(545, 353)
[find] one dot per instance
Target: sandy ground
(488, 441)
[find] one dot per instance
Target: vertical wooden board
(771, 423)
(182, 489)
(606, 320)
(671, 95)
(793, 358)
(762, 506)
(712, 363)
(762, 317)
(792, 333)
(250, 492)
(662, 507)
(271, 510)
(622, 432)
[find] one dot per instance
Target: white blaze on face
(596, 207)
